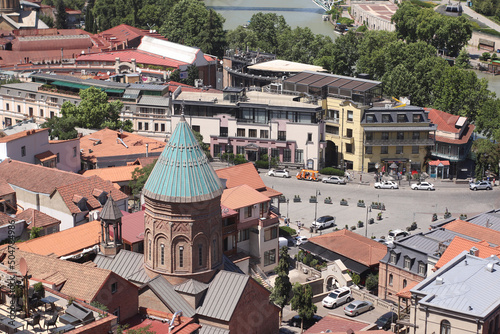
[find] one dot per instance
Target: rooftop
(141, 57)
(22, 134)
(241, 174)
(473, 230)
(172, 50)
(126, 264)
(113, 174)
(458, 245)
(35, 218)
(242, 196)
(132, 227)
(279, 65)
(337, 324)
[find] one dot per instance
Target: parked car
(396, 235)
(357, 307)
(282, 242)
(324, 222)
(296, 321)
(337, 297)
(386, 185)
(278, 173)
(422, 186)
(481, 185)
(385, 320)
(300, 240)
(334, 179)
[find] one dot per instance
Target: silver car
(386, 185)
(334, 179)
(480, 185)
(357, 307)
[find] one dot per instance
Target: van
(283, 242)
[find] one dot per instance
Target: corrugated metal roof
(154, 101)
(131, 93)
(165, 291)
(230, 266)
(298, 77)
(126, 264)
(191, 287)
(29, 86)
(182, 173)
(490, 220)
(90, 82)
(207, 329)
(223, 295)
(152, 87)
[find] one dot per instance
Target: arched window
(404, 284)
(445, 327)
(181, 256)
(200, 255)
(162, 254)
(390, 279)
(149, 250)
(214, 250)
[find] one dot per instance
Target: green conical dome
(182, 173)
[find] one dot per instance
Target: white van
(283, 242)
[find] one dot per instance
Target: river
(302, 13)
(493, 81)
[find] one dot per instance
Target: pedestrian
(360, 178)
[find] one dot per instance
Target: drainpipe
(426, 316)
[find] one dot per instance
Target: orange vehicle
(309, 175)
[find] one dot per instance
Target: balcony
(400, 142)
(451, 157)
(270, 219)
(233, 228)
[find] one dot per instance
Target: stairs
(261, 280)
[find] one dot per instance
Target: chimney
(147, 150)
(474, 251)
(439, 280)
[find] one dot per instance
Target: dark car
(385, 321)
(295, 321)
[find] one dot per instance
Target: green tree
(89, 17)
(371, 282)
(205, 147)
(48, 20)
(282, 286)
(139, 178)
(343, 57)
(35, 232)
(488, 119)
(406, 21)
(302, 302)
(61, 128)
(399, 82)
(193, 74)
(61, 15)
(462, 60)
(372, 52)
(267, 27)
(487, 156)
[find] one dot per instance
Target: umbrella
(393, 165)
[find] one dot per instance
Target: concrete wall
(372, 21)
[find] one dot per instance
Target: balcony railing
(451, 157)
(400, 142)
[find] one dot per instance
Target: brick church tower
(183, 223)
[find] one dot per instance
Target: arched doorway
(331, 154)
(331, 283)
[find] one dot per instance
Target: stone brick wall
(148, 299)
(125, 297)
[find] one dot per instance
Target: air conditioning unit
(94, 215)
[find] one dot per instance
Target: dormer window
(100, 195)
(401, 118)
(394, 258)
(80, 201)
(386, 118)
(416, 118)
(407, 263)
(370, 118)
(421, 268)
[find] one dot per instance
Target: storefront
(439, 169)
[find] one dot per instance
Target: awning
(47, 155)
(113, 90)
(69, 85)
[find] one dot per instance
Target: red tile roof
(36, 218)
(113, 174)
(242, 174)
(5, 188)
(241, 197)
(5, 218)
(474, 231)
(22, 134)
(84, 189)
(51, 42)
(132, 227)
(353, 246)
(405, 293)
(47, 155)
(227, 212)
(458, 245)
(336, 324)
(36, 178)
(141, 57)
(143, 162)
(68, 242)
(109, 145)
(446, 123)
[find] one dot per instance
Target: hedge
(286, 231)
(331, 171)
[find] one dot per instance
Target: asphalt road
(403, 206)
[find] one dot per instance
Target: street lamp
(409, 174)
(368, 209)
(287, 216)
(316, 205)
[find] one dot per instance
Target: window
(370, 118)
(216, 149)
(162, 128)
(402, 118)
(41, 112)
(240, 149)
(368, 150)
(114, 287)
(214, 250)
(223, 131)
(394, 258)
(264, 134)
(421, 268)
(287, 155)
(200, 255)
(146, 126)
(7, 107)
(58, 158)
(252, 133)
(18, 108)
(309, 137)
(348, 148)
(243, 235)
(270, 233)
(156, 127)
(299, 155)
(399, 149)
(270, 257)
(414, 150)
(149, 250)
(8, 121)
(384, 149)
(275, 153)
(23, 151)
(391, 280)
(407, 263)
(386, 118)
(248, 212)
(405, 283)
(416, 118)
(400, 135)
(240, 132)
(127, 108)
(349, 133)
(416, 135)
(74, 152)
(53, 99)
(281, 135)
(181, 256)
(51, 114)
(385, 135)
(350, 115)
(162, 254)
(445, 327)
(195, 128)
(369, 136)
(332, 129)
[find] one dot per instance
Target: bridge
(325, 4)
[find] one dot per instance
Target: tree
(302, 302)
(405, 19)
(89, 17)
(282, 286)
(371, 282)
(462, 60)
(35, 232)
(49, 21)
(343, 57)
(61, 15)
(61, 128)
(205, 147)
(372, 52)
(139, 178)
(487, 156)
(488, 119)
(399, 82)
(193, 74)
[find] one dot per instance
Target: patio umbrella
(393, 165)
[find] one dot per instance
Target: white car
(324, 222)
(300, 240)
(422, 186)
(386, 185)
(337, 297)
(334, 179)
(396, 235)
(278, 173)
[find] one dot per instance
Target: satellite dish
(23, 266)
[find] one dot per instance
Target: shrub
(286, 231)
(307, 259)
(314, 263)
(331, 171)
(371, 282)
(363, 28)
(485, 56)
(356, 278)
(262, 164)
(239, 159)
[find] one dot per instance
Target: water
(297, 13)
(493, 81)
